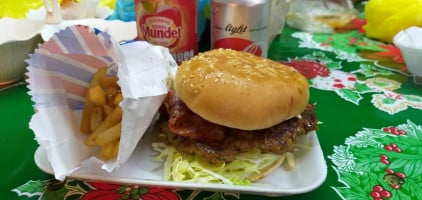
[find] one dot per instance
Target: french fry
(85, 126)
(102, 115)
(86, 119)
(118, 99)
(97, 96)
(107, 151)
(108, 109)
(112, 119)
(110, 150)
(110, 95)
(109, 135)
(109, 82)
(99, 74)
(96, 117)
(116, 148)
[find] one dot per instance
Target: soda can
(169, 23)
(241, 25)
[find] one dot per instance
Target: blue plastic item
(125, 11)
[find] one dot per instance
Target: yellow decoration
(18, 8)
(109, 3)
(385, 18)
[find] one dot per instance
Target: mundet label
(241, 25)
(169, 23)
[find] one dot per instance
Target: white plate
(309, 173)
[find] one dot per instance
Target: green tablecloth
(370, 130)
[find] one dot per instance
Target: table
(370, 130)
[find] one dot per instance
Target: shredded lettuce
(188, 168)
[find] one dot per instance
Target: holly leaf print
(411, 165)
(349, 95)
(322, 58)
(31, 188)
(371, 71)
(369, 159)
(317, 55)
(358, 185)
(366, 44)
(351, 178)
(343, 158)
(362, 88)
(348, 193)
(362, 142)
(338, 41)
(413, 101)
(334, 65)
(391, 150)
(197, 194)
(414, 187)
(222, 196)
(412, 129)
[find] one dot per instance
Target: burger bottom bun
(240, 90)
(261, 173)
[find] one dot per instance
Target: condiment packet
(59, 73)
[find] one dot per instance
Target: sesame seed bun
(240, 90)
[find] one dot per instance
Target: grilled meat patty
(278, 139)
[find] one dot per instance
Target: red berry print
(400, 175)
(394, 130)
(394, 186)
(385, 194)
(353, 40)
(379, 193)
(389, 171)
(392, 147)
(388, 148)
(384, 159)
(377, 188)
(339, 85)
(375, 194)
(351, 78)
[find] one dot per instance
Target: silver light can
(241, 25)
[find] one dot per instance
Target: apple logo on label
(163, 27)
(239, 44)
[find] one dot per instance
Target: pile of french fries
(102, 115)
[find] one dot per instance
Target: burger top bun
(240, 90)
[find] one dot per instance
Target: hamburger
(232, 117)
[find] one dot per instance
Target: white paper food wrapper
(59, 73)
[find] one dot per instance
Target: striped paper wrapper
(59, 74)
